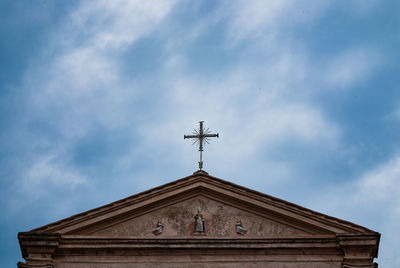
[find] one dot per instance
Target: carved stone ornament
(158, 229)
(199, 224)
(240, 229)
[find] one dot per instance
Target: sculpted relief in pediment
(199, 215)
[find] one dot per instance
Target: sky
(95, 97)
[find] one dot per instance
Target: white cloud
(117, 24)
(349, 67)
(264, 19)
(49, 169)
(382, 186)
(79, 84)
(250, 17)
(372, 200)
(251, 121)
(83, 83)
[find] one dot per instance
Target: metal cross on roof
(200, 137)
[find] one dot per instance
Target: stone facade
(200, 221)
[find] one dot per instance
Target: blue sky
(95, 98)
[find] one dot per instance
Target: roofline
(201, 173)
(49, 242)
(119, 201)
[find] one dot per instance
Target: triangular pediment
(179, 218)
(221, 205)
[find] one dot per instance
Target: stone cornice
(353, 249)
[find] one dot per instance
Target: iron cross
(201, 136)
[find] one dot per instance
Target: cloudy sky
(95, 97)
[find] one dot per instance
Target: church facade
(200, 221)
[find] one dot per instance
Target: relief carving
(183, 219)
(159, 228)
(199, 224)
(240, 229)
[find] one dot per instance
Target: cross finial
(200, 137)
